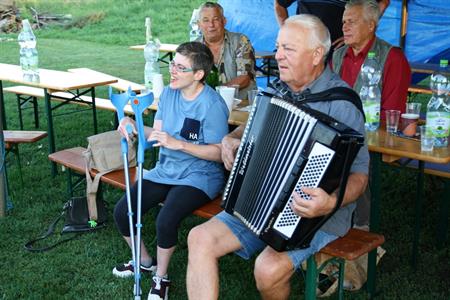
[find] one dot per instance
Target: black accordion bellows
(286, 147)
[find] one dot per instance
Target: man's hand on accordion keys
(319, 204)
(229, 148)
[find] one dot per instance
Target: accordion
(284, 148)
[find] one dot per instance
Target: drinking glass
(251, 96)
(392, 117)
(426, 138)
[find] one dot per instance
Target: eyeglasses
(179, 68)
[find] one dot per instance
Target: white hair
(318, 34)
(371, 10)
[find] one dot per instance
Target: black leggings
(179, 202)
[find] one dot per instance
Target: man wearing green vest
(360, 22)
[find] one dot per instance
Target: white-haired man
(302, 70)
(360, 22)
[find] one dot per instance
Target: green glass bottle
(213, 78)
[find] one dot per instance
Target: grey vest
(381, 49)
(230, 60)
(230, 55)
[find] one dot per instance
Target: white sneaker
(160, 288)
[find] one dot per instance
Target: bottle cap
(371, 54)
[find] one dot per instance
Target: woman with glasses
(189, 125)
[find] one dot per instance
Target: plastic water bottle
(370, 92)
(194, 30)
(151, 55)
(29, 61)
(438, 108)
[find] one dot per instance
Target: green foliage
(117, 22)
(81, 269)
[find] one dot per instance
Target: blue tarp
(428, 26)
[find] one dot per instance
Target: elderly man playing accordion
(302, 70)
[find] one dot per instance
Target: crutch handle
(139, 103)
(120, 101)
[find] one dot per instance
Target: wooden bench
(419, 89)
(349, 247)
(28, 93)
(100, 103)
(73, 160)
(13, 138)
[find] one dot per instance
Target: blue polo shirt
(201, 121)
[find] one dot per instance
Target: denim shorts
(250, 243)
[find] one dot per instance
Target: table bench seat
(13, 138)
(100, 103)
(73, 159)
(419, 89)
(22, 136)
(349, 247)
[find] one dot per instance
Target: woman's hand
(124, 126)
(165, 140)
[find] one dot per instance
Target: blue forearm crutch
(139, 104)
(119, 101)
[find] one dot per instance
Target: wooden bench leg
(19, 163)
(21, 102)
(312, 286)
(341, 263)
(443, 218)
(19, 108)
(14, 148)
(73, 185)
(311, 278)
(36, 112)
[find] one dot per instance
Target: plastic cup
(413, 108)
(409, 124)
(426, 139)
(251, 96)
(392, 118)
(227, 94)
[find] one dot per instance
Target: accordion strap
(336, 93)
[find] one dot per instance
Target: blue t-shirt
(201, 121)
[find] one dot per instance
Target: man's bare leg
(207, 243)
(273, 271)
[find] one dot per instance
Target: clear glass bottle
(194, 31)
(151, 55)
(370, 92)
(438, 108)
(29, 60)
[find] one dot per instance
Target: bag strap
(51, 229)
(92, 187)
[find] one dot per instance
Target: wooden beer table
(54, 81)
(388, 148)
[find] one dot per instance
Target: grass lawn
(81, 268)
